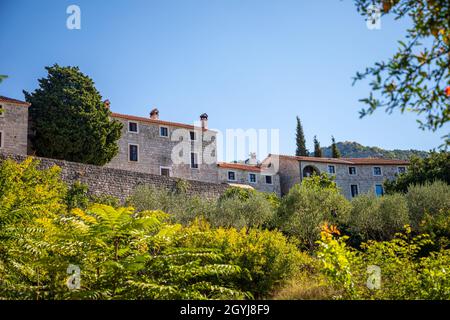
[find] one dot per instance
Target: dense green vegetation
(349, 149)
(61, 242)
(69, 119)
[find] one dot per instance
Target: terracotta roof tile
(239, 166)
(153, 121)
(349, 161)
(14, 101)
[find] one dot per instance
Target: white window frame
(377, 175)
(228, 176)
(375, 189)
(168, 132)
(129, 154)
(163, 167)
(398, 169)
(137, 127)
(328, 169)
(2, 139)
(356, 171)
(2, 114)
(190, 160)
(357, 189)
(256, 178)
(265, 179)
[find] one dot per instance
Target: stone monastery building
(151, 145)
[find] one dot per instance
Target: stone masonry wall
(14, 128)
(119, 183)
(260, 185)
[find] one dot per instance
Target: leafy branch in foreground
(416, 78)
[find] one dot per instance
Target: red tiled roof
(350, 161)
(14, 101)
(153, 121)
(239, 166)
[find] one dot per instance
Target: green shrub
(377, 218)
(404, 273)
(266, 258)
(428, 199)
(304, 209)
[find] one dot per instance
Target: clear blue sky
(247, 63)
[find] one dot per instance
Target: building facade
(13, 125)
(353, 176)
(254, 176)
(151, 145)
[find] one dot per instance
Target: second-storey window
(331, 169)
(1, 139)
(352, 171)
(163, 131)
(252, 178)
(193, 135)
(401, 169)
(231, 176)
(194, 160)
(377, 171)
(2, 111)
(133, 152)
(132, 127)
(268, 179)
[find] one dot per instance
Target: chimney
(107, 103)
(154, 114)
(252, 160)
(204, 121)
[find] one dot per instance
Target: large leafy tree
(300, 140)
(2, 77)
(69, 120)
(417, 77)
(420, 171)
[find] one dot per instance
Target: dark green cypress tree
(334, 149)
(300, 139)
(317, 149)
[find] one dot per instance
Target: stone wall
(119, 183)
(14, 128)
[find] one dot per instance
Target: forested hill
(350, 149)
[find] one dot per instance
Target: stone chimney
(252, 160)
(204, 121)
(154, 114)
(107, 103)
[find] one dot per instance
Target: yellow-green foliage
(405, 274)
(266, 257)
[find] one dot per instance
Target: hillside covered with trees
(349, 149)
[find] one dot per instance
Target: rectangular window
(194, 160)
(133, 152)
(379, 190)
(354, 190)
(165, 171)
(2, 111)
(133, 127)
(163, 131)
(252, 178)
(1, 139)
(331, 169)
(401, 170)
(377, 171)
(193, 135)
(231, 176)
(352, 171)
(268, 179)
